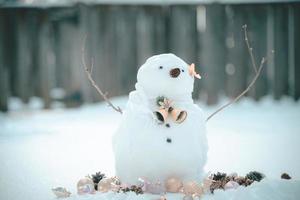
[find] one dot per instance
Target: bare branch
(257, 73)
(250, 49)
(89, 75)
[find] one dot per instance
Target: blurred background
(41, 42)
(40, 67)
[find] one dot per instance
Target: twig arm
(92, 81)
(242, 94)
(257, 73)
(250, 49)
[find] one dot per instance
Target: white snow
(41, 149)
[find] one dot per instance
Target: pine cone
(285, 176)
(255, 176)
(133, 188)
(97, 178)
(215, 185)
(218, 176)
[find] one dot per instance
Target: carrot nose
(174, 73)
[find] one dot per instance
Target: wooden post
(213, 52)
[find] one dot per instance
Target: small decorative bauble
(196, 197)
(116, 185)
(162, 198)
(85, 186)
(105, 185)
(61, 192)
(231, 185)
(192, 187)
(191, 197)
(187, 197)
(173, 185)
(151, 187)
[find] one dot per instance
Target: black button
(168, 125)
(169, 140)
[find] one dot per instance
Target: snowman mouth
(174, 73)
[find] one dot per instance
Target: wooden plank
(11, 47)
(213, 53)
(201, 26)
(24, 55)
(236, 66)
(46, 59)
(4, 68)
(296, 51)
(71, 63)
(125, 52)
(257, 34)
(103, 49)
(151, 32)
(182, 35)
(182, 32)
(68, 43)
(114, 49)
(85, 30)
(280, 79)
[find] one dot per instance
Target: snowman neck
(178, 98)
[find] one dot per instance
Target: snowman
(162, 133)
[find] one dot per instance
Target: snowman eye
(182, 70)
(160, 67)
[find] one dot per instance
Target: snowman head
(165, 75)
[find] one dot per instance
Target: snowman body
(145, 148)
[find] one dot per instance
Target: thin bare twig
(250, 49)
(243, 93)
(257, 73)
(89, 75)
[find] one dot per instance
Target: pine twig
(257, 73)
(89, 73)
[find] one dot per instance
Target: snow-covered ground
(41, 149)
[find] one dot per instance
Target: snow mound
(42, 149)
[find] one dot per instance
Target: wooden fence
(40, 48)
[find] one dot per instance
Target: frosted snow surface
(41, 149)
